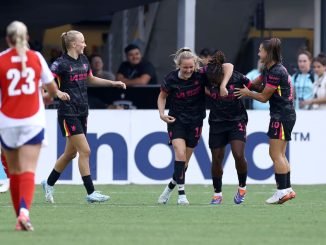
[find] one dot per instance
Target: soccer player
(22, 117)
(228, 120)
(72, 72)
(185, 88)
(278, 90)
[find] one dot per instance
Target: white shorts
(15, 137)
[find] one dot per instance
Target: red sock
(26, 189)
(5, 165)
(14, 191)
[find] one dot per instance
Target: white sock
(218, 194)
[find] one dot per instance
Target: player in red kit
(22, 116)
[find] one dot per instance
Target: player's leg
(238, 152)
(217, 173)
(80, 143)
(68, 155)
(177, 136)
(276, 149)
(180, 151)
(22, 164)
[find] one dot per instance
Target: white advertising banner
(130, 146)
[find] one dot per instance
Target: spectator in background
(94, 101)
(303, 80)
(136, 70)
(252, 75)
(97, 68)
(319, 89)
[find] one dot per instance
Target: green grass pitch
(133, 217)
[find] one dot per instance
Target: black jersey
(186, 97)
(71, 76)
(228, 108)
(281, 102)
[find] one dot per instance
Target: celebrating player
(278, 90)
(186, 89)
(228, 120)
(72, 72)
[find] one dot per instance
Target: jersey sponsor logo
(189, 93)
(78, 77)
(54, 66)
(273, 78)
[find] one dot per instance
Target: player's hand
(167, 118)
(242, 92)
(223, 91)
(63, 96)
(120, 84)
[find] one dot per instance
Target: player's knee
(180, 154)
(85, 152)
(276, 157)
(239, 156)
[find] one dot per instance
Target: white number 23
(15, 75)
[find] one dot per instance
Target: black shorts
(190, 133)
(280, 129)
(222, 133)
(72, 125)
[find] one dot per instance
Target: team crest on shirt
(85, 66)
(54, 66)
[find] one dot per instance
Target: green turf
(133, 217)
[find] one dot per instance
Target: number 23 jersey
(21, 101)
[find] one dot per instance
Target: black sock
(172, 184)
(217, 184)
(53, 177)
(242, 179)
(288, 180)
(88, 183)
(179, 173)
(281, 181)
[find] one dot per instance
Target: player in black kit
(278, 90)
(72, 72)
(228, 120)
(186, 89)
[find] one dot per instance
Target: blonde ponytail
(17, 36)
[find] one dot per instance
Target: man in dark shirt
(136, 70)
